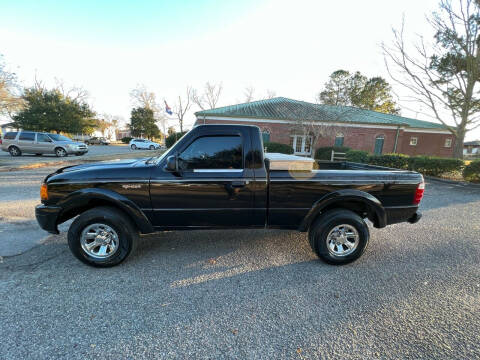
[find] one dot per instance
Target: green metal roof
(281, 108)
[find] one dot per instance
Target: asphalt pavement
(414, 294)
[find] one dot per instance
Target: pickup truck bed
(217, 176)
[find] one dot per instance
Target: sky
(289, 47)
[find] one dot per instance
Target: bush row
(273, 147)
(471, 172)
(428, 165)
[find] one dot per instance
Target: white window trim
(449, 141)
(412, 140)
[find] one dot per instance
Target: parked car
(97, 141)
(40, 143)
(217, 177)
(143, 144)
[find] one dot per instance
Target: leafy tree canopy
(51, 111)
(142, 123)
(345, 88)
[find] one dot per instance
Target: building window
(265, 135)
(301, 144)
(379, 140)
(448, 142)
(413, 141)
(339, 139)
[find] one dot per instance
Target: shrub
(471, 172)
(126, 139)
(273, 147)
(396, 161)
(357, 156)
(172, 139)
(434, 166)
(325, 153)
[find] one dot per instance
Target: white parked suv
(143, 144)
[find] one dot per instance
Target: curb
(452, 182)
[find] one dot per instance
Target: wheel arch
(360, 202)
(86, 199)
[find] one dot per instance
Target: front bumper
(76, 151)
(47, 217)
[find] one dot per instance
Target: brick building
(285, 120)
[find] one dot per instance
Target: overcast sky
(290, 47)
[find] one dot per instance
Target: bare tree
(270, 94)
(443, 76)
(182, 106)
(142, 97)
(210, 96)
(74, 93)
(10, 99)
(248, 92)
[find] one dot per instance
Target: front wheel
(102, 237)
(14, 151)
(133, 147)
(60, 152)
(152, 147)
(339, 236)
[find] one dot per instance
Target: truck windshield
(159, 158)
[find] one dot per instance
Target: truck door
(213, 187)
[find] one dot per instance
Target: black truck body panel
(247, 197)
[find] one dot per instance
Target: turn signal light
(43, 192)
(419, 193)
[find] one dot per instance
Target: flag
(167, 109)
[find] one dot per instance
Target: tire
(133, 147)
(80, 154)
(87, 143)
(353, 236)
(14, 151)
(152, 147)
(123, 242)
(38, 154)
(60, 152)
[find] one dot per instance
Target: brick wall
(361, 138)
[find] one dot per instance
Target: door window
(27, 136)
(302, 144)
(379, 140)
(43, 138)
(213, 152)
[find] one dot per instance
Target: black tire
(80, 154)
(37, 154)
(61, 152)
(152, 147)
(319, 230)
(87, 143)
(14, 151)
(133, 147)
(126, 231)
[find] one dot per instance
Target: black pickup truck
(217, 177)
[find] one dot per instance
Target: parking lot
(415, 294)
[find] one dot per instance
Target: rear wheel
(152, 147)
(14, 151)
(102, 237)
(60, 152)
(133, 147)
(339, 236)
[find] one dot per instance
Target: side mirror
(172, 163)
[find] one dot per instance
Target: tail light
(419, 193)
(0, 141)
(44, 192)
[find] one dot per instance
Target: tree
(142, 97)
(444, 75)
(344, 88)
(249, 91)
(50, 110)
(142, 123)
(10, 100)
(270, 94)
(210, 96)
(182, 106)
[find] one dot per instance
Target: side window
(43, 138)
(27, 136)
(339, 139)
(10, 135)
(213, 152)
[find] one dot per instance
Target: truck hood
(99, 171)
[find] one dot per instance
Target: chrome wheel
(60, 152)
(99, 241)
(14, 151)
(342, 240)
(133, 147)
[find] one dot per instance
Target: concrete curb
(452, 182)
